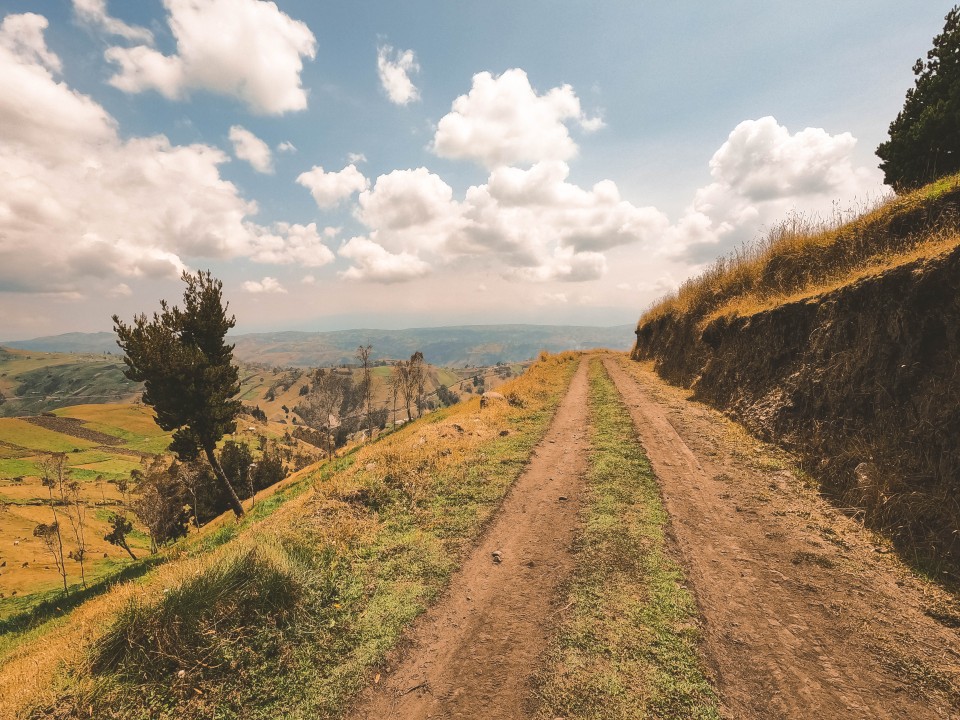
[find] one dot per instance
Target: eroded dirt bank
(861, 381)
(472, 655)
(804, 616)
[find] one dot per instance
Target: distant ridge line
(452, 345)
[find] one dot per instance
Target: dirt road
(805, 615)
(473, 654)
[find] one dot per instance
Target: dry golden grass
(802, 257)
(403, 467)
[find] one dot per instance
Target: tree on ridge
(188, 373)
(924, 139)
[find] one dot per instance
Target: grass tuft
(195, 625)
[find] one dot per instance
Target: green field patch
(88, 456)
(119, 419)
(133, 424)
(40, 382)
(33, 437)
(447, 377)
(19, 467)
(14, 451)
(109, 467)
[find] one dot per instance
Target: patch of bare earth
(473, 654)
(73, 427)
(805, 615)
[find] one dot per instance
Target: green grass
(359, 561)
(629, 646)
(133, 424)
(28, 616)
(40, 382)
(18, 467)
(96, 463)
(34, 437)
(109, 467)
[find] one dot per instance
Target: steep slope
(853, 365)
(284, 614)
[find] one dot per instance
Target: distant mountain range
(446, 346)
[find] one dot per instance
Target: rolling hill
(454, 346)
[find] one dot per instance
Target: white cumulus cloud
(395, 68)
(267, 285)
(372, 262)
(532, 224)
(761, 174)
(249, 147)
(94, 12)
(329, 188)
(415, 200)
(761, 160)
(22, 37)
(546, 228)
(70, 185)
(286, 243)
(503, 121)
(243, 48)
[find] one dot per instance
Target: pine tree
(188, 373)
(924, 140)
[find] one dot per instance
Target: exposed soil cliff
(862, 381)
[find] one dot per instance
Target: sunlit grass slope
(286, 617)
(802, 257)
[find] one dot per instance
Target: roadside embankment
(858, 376)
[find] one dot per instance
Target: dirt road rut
(472, 655)
(803, 617)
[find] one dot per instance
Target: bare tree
(191, 479)
(50, 535)
(327, 394)
(161, 503)
(418, 379)
(123, 485)
(77, 515)
(52, 475)
(402, 384)
(408, 381)
(363, 355)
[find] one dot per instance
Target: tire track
(473, 654)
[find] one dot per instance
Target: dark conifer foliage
(187, 370)
(924, 140)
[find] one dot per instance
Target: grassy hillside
(841, 344)
(33, 382)
(103, 444)
(802, 258)
(285, 614)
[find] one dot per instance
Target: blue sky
(396, 164)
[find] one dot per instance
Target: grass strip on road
(628, 645)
